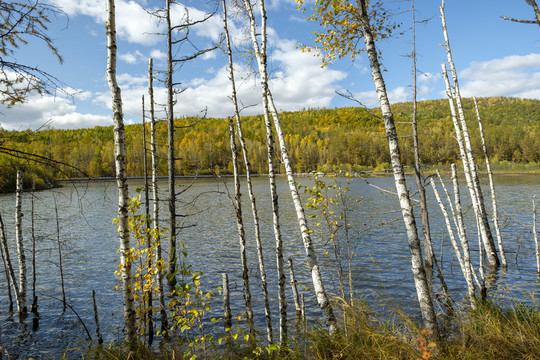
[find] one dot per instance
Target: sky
(493, 57)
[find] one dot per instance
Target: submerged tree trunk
(468, 160)
(419, 274)
(59, 245)
(262, 270)
(155, 197)
(322, 297)
(535, 235)
(121, 177)
(20, 245)
(492, 188)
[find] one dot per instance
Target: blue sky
(494, 57)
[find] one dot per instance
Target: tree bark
(121, 177)
(417, 263)
(20, 245)
(492, 188)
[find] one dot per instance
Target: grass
(487, 332)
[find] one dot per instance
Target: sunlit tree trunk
(155, 198)
(121, 177)
(262, 270)
(19, 239)
(468, 160)
(322, 297)
(535, 236)
(492, 188)
(419, 274)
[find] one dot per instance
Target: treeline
(322, 139)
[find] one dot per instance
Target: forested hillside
(352, 138)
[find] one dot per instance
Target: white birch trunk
(20, 245)
(155, 197)
(476, 191)
(322, 297)
(260, 53)
(492, 188)
(464, 268)
(461, 228)
(465, 160)
(121, 176)
(262, 270)
(241, 233)
(417, 263)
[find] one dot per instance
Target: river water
(381, 265)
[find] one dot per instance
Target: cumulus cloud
(516, 75)
(57, 112)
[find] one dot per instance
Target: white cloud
(428, 78)
(515, 75)
(129, 58)
(56, 112)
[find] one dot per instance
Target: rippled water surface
(381, 268)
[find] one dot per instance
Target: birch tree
(121, 177)
(20, 244)
(467, 157)
(495, 216)
(340, 39)
(269, 106)
(10, 270)
(262, 270)
(155, 199)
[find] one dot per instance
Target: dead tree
(121, 177)
(534, 5)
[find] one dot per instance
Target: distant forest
(351, 139)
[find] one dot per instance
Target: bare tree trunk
(419, 274)
(492, 188)
(155, 197)
(96, 318)
(148, 236)
(241, 232)
(7, 265)
(20, 245)
(121, 177)
(469, 165)
(294, 288)
(322, 297)
(464, 268)
(262, 270)
(260, 53)
(466, 168)
(170, 152)
(226, 303)
(34, 307)
(60, 264)
(428, 246)
(535, 235)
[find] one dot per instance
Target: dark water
(381, 268)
